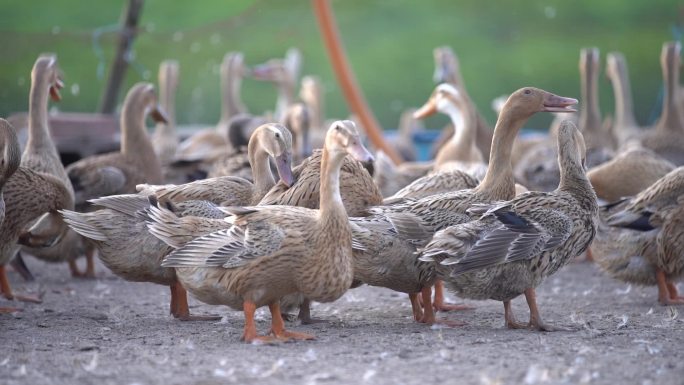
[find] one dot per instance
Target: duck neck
(285, 98)
(261, 169)
(39, 134)
(573, 179)
(331, 206)
(624, 109)
(136, 144)
(167, 100)
(590, 115)
(498, 181)
(231, 83)
(671, 119)
(462, 143)
(315, 106)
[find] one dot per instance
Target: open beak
(555, 103)
(158, 115)
(359, 152)
(429, 108)
(54, 90)
(284, 166)
(261, 72)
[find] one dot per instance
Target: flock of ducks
(251, 216)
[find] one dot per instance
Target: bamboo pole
(346, 78)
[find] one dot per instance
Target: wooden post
(129, 25)
(346, 79)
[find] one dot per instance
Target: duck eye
(277, 135)
(527, 92)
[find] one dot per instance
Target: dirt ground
(108, 331)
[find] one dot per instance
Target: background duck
(600, 141)
(667, 137)
(657, 207)
(284, 74)
(206, 144)
(264, 239)
(165, 138)
(625, 126)
(515, 245)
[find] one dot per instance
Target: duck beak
(429, 108)
(359, 152)
(158, 115)
(54, 90)
(555, 103)
(284, 167)
(261, 72)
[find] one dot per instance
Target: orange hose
(346, 79)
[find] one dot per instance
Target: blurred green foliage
(502, 46)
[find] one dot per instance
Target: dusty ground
(108, 331)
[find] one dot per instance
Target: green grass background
(502, 46)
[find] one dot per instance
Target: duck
(118, 231)
(514, 245)
(165, 138)
(135, 163)
(628, 173)
(644, 241)
(448, 70)
(600, 141)
(442, 210)
(11, 159)
(27, 194)
(625, 126)
(284, 74)
(270, 140)
(434, 183)
(666, 138)
(272, 251)
(311, 94)
(41, 155)
(204, 145)
(459, 153)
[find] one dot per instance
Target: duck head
(276, 141)
(46, 73)
(445, 99)
(529, 100)
(143, 95)
(343, 138)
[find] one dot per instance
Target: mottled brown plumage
(136, 162)
(356, 187)
(268, 141)
(515, 245)
(272, 251)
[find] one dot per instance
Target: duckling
(255, 259)
(515, 245)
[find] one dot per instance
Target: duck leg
(416, 307)
(278, 325)
(511, 322)
(674, 293)
(305, 314)
(536, 322)
(90, 264)
(250, 333)
(440, 305)
(179, 297)
(665, 295)
(429, 313)
(20, 267)
(6, 290)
